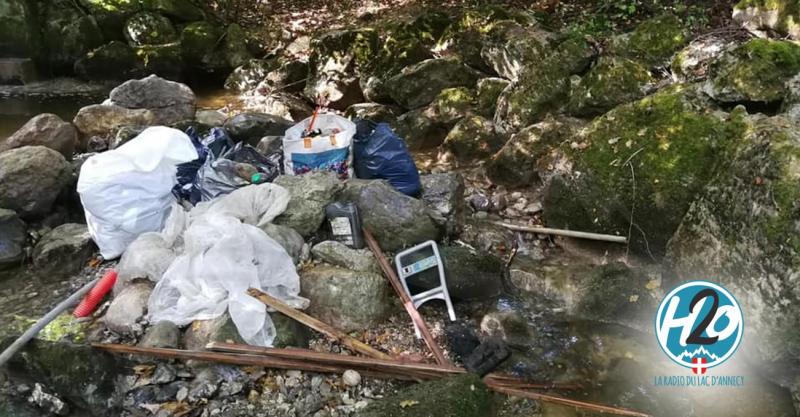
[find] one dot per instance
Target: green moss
(457, 396)
(756, 71)
(611, 82)
(452, 104)
(472, 137)
(362, 44)
(654, 41)
(489, 90)
(163, 60)
(671, 144)
(63, 328)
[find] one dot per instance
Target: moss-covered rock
(199, 42)
(337, 59)
(234, 46)
(112, 61)
(489, 90)
(180, 10)
(111, 15)
(743, 232)
(464, 38)
(427, 127)
(471, 275)
(420, 84)
(19, 27)
(521, 160)
(68, 34)
(780, 16)
(692, 63)
(665, 147)
(471, 138)
(249, 75)
(148, 28)
(543, 86)
(755, 71)
(611, 82)
(372, 111)
(509, 47)
(456, 396)
(652, 42)
(163, 60)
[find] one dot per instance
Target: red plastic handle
(96, 294)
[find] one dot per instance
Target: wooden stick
(317, 325)
(244, 360)
(390, 274)
(565, 401)
(562, 232)
(374, 364)
(311, 366)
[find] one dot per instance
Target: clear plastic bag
(127, 191)
(222, 257)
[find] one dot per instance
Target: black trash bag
(378, 153)
(234, 169)
(215, 143)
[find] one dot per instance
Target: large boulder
(543, 86)
(163, 60)
(63, 251)
(67, 35)
(742, 232)
(180, 10)
(444, 195)
(18, 28)
(653, 42)
(149, 28)
(419, 84)
(310, 195)
(610, 293)
(472, 138)
(693, 62)
(378, 113)
(170, 102)
(754, 71)
(779, 16)
(427, 127)
(106, 119)
(113, 61)
(250, 127)
(488, 91)
(470, 274)
(339, 254)
(463, 396)
(280, 104)
(12, 239)
(250, 74)
(347, 300)
(337, 59)
(44, 130)
(289, 76)
(111, 15)
(395, 219)
(665, 145)
(288, 238)
(510, 47)
(611, 81)
(31, 177)
(200, 47)
(522, 159)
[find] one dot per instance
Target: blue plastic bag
(378, 153)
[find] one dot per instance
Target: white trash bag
(127, 191)
(331, 150)
(221, 258)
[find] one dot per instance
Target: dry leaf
(408, 403)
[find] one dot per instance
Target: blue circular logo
(699, 324)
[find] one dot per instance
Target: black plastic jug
(345, 223)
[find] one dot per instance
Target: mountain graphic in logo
(699, 352)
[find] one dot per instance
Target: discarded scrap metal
(304, 360)
(390, 274)
(317, 325)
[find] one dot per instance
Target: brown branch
(317, 325)
(390, 274)
(599, 408)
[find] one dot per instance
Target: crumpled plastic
(220, 253)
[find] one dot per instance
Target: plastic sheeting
(220, 253)
(127, 191)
